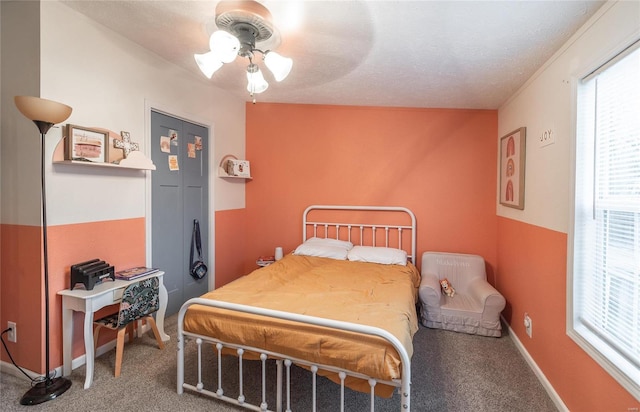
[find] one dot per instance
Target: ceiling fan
(241, 26)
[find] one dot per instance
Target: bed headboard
(388, 226)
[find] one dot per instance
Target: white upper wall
(20, 140)
(111, 82)
(547, 101)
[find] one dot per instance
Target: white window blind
(606, 231)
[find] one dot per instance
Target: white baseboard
(11, 369)
(537, 371)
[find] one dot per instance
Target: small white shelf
(224, 175)
(135, 161)
(92, 164)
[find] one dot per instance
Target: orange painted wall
(21, 293)
(531, 273)
(230, 243)
(440, 163)
(119, 242)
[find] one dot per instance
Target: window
(605, 304)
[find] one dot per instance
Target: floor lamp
(44, 113)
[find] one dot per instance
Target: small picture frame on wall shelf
(112, 158)
(86, 144)
(512, 167)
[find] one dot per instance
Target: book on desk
(135, 273)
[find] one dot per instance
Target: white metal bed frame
(403, 384)
(361, 227)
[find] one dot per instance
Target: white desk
(89, 301)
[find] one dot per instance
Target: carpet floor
(451, 372)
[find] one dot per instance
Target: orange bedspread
(364, 293)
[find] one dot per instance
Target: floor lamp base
(45, 391)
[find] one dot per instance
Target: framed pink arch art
(512, 161)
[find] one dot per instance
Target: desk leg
(88, 348)
(67, 338)
(164, 298)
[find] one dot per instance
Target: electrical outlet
(528, 324)
(12, 335)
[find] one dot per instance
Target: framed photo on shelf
(86, 144)
(512, 161)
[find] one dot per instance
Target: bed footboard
(283, 362)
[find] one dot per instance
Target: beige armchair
(475, 308)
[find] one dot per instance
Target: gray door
(180, 192)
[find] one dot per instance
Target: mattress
(371, 294)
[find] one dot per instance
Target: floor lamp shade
(44, 113)
(42, 110)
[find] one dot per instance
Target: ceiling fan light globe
(224, 45)
(255, 80)
(208, 63)
(278, 65)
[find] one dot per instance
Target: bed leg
(180, 366)
(406, 396)
(342, 376)
(200, 385)
(263, 360)
(372, 384)
(241, 398)
(287, 364)
(219, 392)
(279, 385)
(314, 387)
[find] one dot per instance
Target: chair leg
(130, 331)
(96, 333)
(119, 350)
(136, 328)
(156, 333)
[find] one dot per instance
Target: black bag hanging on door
(197, 269)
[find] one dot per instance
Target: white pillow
(330, 242)
(372, 254)
(321, 250)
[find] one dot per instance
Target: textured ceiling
(449, 54)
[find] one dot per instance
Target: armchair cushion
(476, 306)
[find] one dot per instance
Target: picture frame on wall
(86, 144)
(512, 167)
